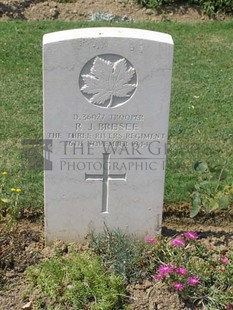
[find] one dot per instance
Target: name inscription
(107, 127)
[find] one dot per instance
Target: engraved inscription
(111, 117)
(105, 177)
(110, 81)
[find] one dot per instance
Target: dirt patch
(20, 247)
(112, 10)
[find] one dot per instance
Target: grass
(201, 114)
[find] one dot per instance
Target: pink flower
(178, 286)
(224, 260)
(229, 306)
(165, 269)
(181, 270)
(158, 277)
(178, 242)
(150, 240)
(190, 235)
(193, 280)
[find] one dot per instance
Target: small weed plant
(213, 191)
(121, 254)
(10, 209)
(75, 281)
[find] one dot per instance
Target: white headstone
(106, 110)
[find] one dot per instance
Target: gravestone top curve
(106, 32)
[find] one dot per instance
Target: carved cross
(105, 178)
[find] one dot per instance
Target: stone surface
(106, 108)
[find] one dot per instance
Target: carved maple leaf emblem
(108, 80)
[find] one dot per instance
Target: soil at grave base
(83, 10)
(24, 246)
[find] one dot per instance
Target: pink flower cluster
(180, 242)
(224, 260)
(178, 273)
(191, 281)
(179, 286)
(166, 270)
(181, 270)
(190, 235)
(150, 240)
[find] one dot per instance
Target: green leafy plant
(209, 7)
(75, 281)
(10, 210)
(214, 7)
(201, 274)
(213, 191)
(154, 4)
